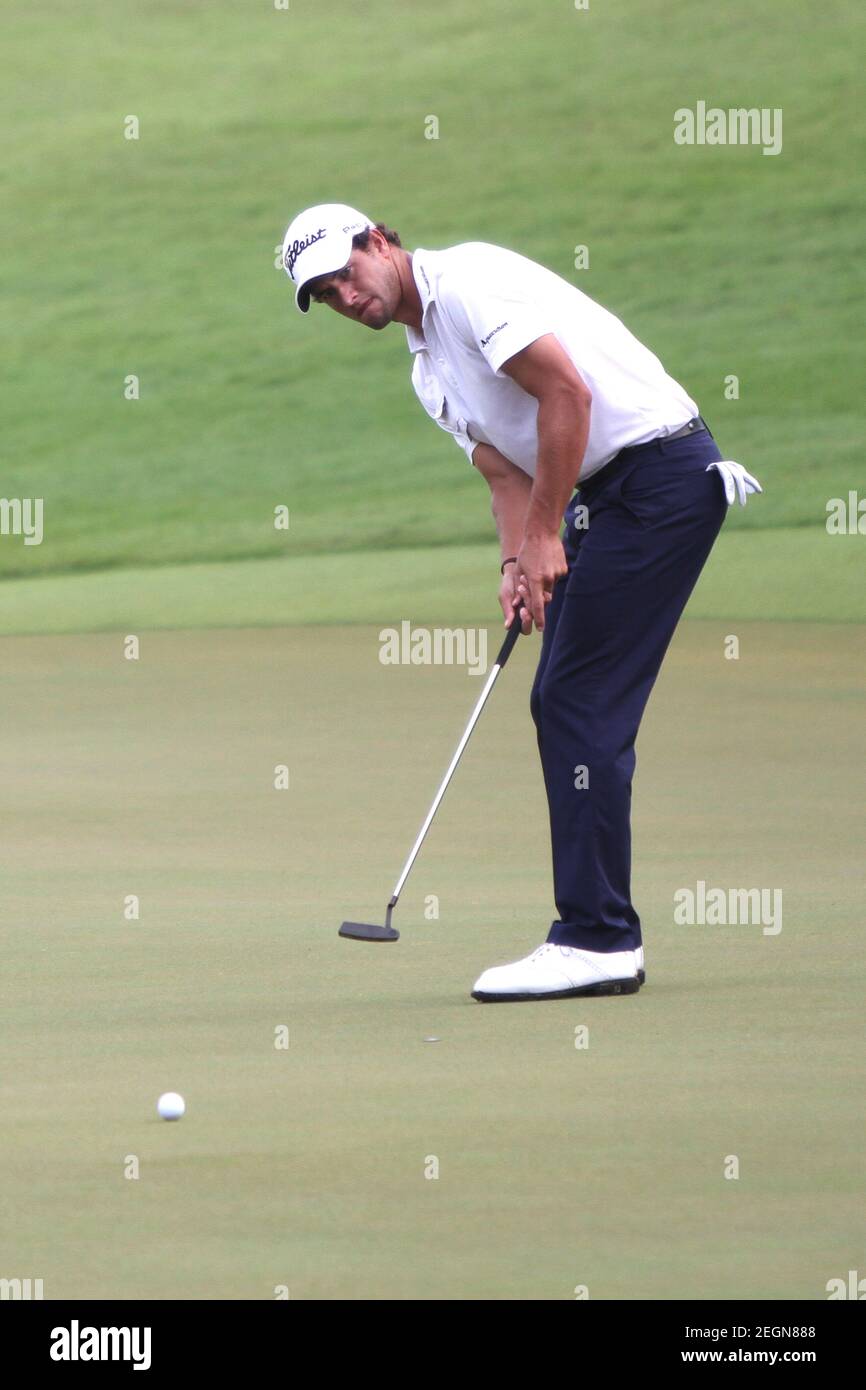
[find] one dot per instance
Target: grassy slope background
(156, 257)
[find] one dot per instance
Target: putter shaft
(514, 630)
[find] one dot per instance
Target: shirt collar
(426, 275)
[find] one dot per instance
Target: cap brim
(341, 250)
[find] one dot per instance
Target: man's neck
(409, 309)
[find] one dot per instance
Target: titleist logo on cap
(294, 251)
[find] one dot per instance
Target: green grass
(787, 575)
(156, 256)
(305, 1166)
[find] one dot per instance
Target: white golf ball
(170, 1106)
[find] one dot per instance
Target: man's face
(366, 289)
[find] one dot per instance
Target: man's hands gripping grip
(540, 563)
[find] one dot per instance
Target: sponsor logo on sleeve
(493, 332)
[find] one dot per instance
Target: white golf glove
(736, 480)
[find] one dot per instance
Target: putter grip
(514, 631)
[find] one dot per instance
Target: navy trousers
(654, 513)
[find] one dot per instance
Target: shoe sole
(641, 977)
(603, 987)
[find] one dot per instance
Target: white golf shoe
(558, 972)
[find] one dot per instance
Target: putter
(369, 931)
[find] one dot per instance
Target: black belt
(693, 427)
(622, 459)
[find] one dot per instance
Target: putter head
(367, 931)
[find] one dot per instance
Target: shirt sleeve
(460, 437)
(491, 318)
(467, 444)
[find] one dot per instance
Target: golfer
(545, 391)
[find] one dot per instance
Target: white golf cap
(319, 242)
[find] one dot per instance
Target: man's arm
(510, 490)
(544, 370)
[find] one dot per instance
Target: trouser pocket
(671, 485)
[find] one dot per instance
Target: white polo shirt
(481, 304)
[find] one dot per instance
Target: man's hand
(544, 370)
(540, 562)
(508, 598)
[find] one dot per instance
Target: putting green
(305, 1166)
(771, 577)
